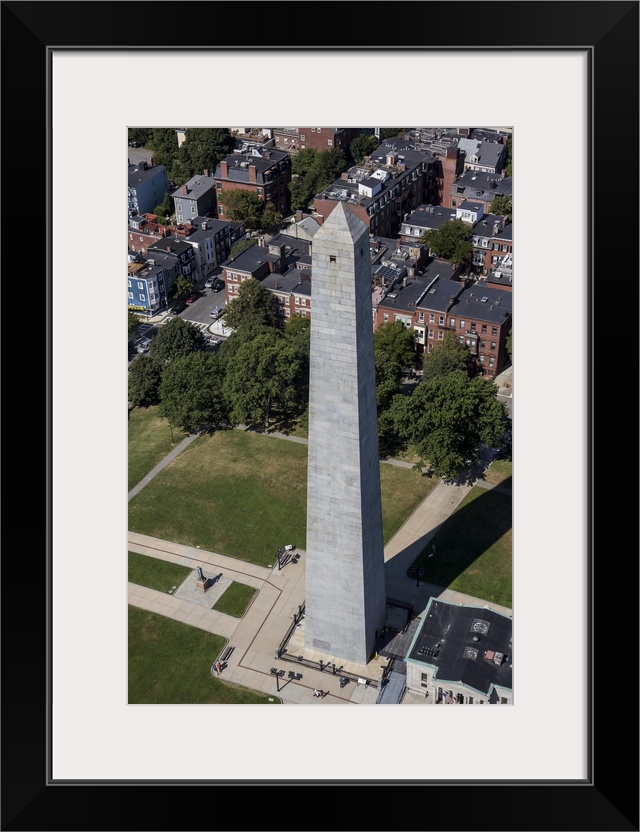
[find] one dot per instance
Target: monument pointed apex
(342, 219)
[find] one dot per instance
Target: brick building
(492, 239)
(436, 303)
(294, 139)
(387, 185)
(261, 170)
(479, 187)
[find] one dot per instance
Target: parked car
(216, 312)
(217, 285)
(144, 345)
(193, 296)
(178, 307)
(209, 282)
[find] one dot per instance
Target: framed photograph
(563, 76)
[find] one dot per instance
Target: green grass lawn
(170, 663)
(499, 471)
(474, 548)
(155, 573)
(149, 441)
(244, 495)
(235, 599)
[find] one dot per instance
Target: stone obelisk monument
(345, 587)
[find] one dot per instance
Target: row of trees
(201, 150)
(261, 371)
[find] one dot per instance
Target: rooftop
(143, 171)
(430, 216)
(295, 281)
(484, 304)
(171, 244)
(468, 645)
(197, 186)
(250, 259)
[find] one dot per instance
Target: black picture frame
(608, 798)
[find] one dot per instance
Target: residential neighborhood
(226, 228)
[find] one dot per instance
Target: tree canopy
(182, 286)
(363, 145)
(509, 165)
(138, 136)
(132, 322)
(203, 148)
(164, 143)
(264, 376)
(176, 338)
(397, 342)
(314, 172)
(166, 208)
(191, 392)
(247, 207)
(452, 241)
(448, 357)
(447, 419)
(145, 375)
(392, 132)
(252, 307)
(501, 206)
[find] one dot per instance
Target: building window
(440, 335)
(141, 296)
(129, 283)
(287, 312)
(452, 321)
(441, 320)
(462, 324)
(319, 129)
(303, 312)
(482, 359)
(329, 142)
(505, 248)
(421, 316)
(484, 329)
(494, 330)
(304, 301)
(496, 246)
(492, 360)
(131, 295)
(493, 345)
(385, 317)
(431, 319)
(302, 137)
(297, 301)
(473, 326)
(483, 345)
(430, 333)
(140, 285)
(332, 258)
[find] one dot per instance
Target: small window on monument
(332, 258)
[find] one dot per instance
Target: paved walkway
(162, 464)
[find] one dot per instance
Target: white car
(144, 345)
(216, 312)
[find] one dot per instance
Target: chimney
(205, 172)
(252, 174)
(224, 170)
(185, 190)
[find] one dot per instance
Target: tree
(243, 206)
(164, 143)
(132, 322)
(508, 345)
(191, 392)
(314, 172)
(240, 246)
(145, 375)
(452, 241)
(204, 147)
(509, 165)
(388, 379)
(175, 339)
(363, 145)
(165, 208)
(501, 206)
(138, 136)
(392, 132)
(397, 342)
(182, 286)
(252, 307)
(448, 419)
(263, 376)
(450, 356)
(303, 161)
(271, 217)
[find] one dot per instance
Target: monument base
(202, 585)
